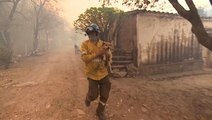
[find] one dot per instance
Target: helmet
(92, 27)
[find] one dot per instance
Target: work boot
(87, 102)
(100, 112)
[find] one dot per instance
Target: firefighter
(92, 51)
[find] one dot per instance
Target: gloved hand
(101, 51)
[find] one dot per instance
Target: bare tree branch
(33, 2)
(24, 16)
(15, 4)
(191, 6)
(193, 17)
(44, 2)
(180, 9)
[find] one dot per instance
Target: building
(157, 42)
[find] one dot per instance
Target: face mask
(93, 37)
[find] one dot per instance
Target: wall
(151, 27)
(163, 42)
(166, 44)
(207, 54)
(126, 37)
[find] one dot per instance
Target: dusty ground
(53, 87)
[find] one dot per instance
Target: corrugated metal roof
(153, 12)
(159, 13)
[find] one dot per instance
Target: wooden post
(162, 49)
(166, 52)
(158, 52)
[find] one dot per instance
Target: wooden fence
(173, 50)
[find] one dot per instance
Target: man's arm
(85, 56)
(88, 57)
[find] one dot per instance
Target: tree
(6, 31)
(9, 20)
(44, 10)
(102, 16)
(191, 15)
(51, 21)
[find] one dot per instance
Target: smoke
(208, 11)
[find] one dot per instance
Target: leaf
(100, 16)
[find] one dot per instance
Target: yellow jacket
(94, 65)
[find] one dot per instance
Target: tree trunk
(37, 24)
(47, 39)
(10, 18)
(36, 32)
(6, 32)
(35, 43)
(8, 49)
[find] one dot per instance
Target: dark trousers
(99, 87)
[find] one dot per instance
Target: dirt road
(53, 87)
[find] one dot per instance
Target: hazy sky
(73, 8)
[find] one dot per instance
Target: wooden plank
(122, 57)
(184, 48)
(192, 45)
(122, 62)
(148, 53)
(170, 49)
(154, 53)
(178, 48)
(118, 66)
(181, 50)
(158, 52)
(189, 48)
(195, 49)
(174, 48)
(166, 51)
(162, 49)
(199, 52)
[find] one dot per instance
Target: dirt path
(53, 87)
(50, 87)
